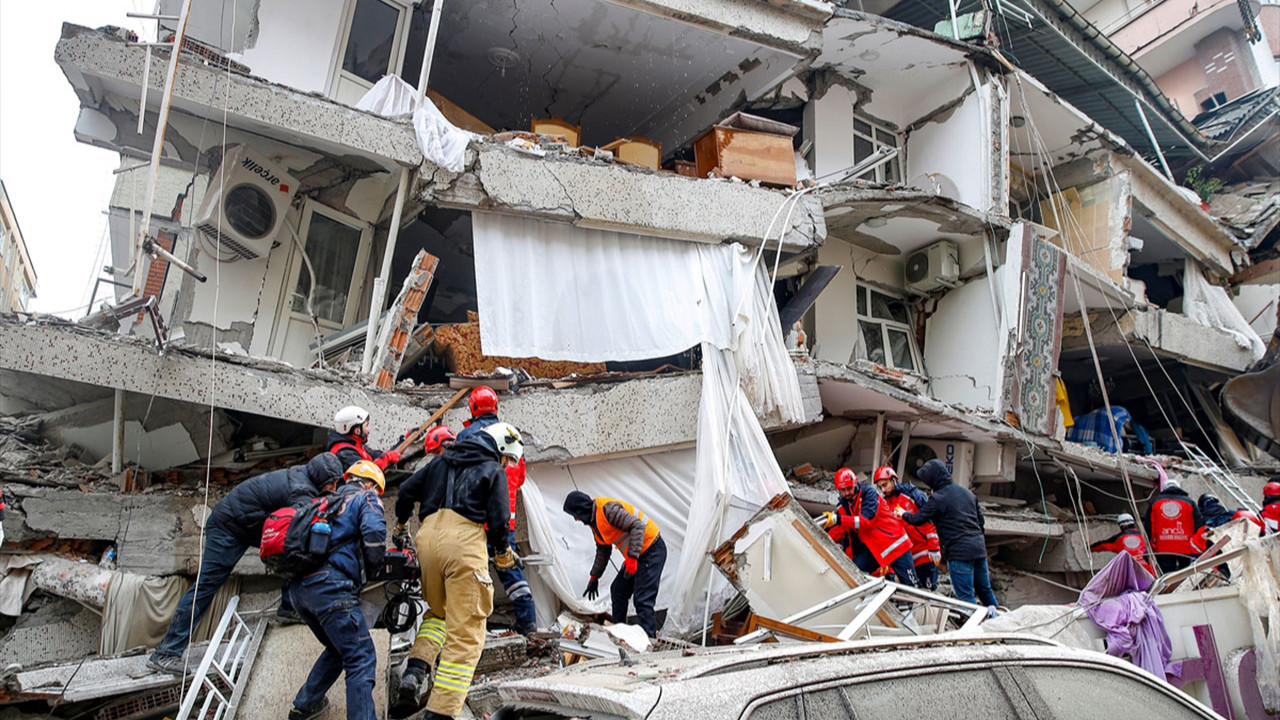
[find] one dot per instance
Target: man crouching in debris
(464, 506)
(865, 526)
(234, 526)
(954, 511)
(614, 522)
(328, 600)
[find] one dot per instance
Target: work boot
(527, 629)
(433, 715)
(312, 714)
(172, 664)
(287, 616)
(411, 685)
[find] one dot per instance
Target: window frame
(298, 266)
(339, 76)
(879, 173)
(886, 324)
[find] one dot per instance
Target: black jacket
(242, 512)
(346, 455)
(1215, 514)
(954, 511)
(479, 488)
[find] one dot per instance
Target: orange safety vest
(1173, 527)
(607, 534)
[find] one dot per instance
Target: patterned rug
(1036, 358)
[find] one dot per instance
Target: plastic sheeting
(1209, 305)
(561, 292)
(1117, 602)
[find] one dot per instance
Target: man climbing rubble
(871, 535)
(1129, 540)
(955, 512)
(464, 509)
(1172, 522)
(903, 498)
(618, 523)
(348, 436)
(328, 600)
(234, 526)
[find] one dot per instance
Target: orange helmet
(845, 478)
(437, 436)
(482, 400)
(884, 472)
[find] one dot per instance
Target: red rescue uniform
(924, 538)
(1173, 526)
(884, 534)
(1271, 518)
(1127, 540)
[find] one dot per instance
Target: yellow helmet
(369, 471)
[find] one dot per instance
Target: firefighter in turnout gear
(1129, 540)
(465, 507)
(1172, 521)
(868, 530)
(617, 523)
(348, 436)
(926, 552)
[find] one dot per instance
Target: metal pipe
(1152, 137)
(157, 147)
(117, 434)
(433, 29)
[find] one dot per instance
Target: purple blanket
(1116, 600)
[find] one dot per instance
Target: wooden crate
(558, 126)
(748, 147)
(636, 150)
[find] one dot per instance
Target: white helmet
(507, 439)
(349, 417)
(1124, 519)
(1170, 483)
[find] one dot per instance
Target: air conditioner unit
(957, 454)
(246, 203)
(934, 267)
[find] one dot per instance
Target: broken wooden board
(402, 319)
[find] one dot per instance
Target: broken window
(867, 139)
(332, 248)
(884, 331)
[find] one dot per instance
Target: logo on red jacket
(1170, 509)
(1133, 542)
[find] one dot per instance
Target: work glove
(392, 457)
(827, 520)
(629, 565)
(506, 559)
(936, 557)
(593, 588)
(400, 535)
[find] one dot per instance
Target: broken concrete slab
(613, 197)
(284, 660)
(1169, 333)
(93, 678)
(58, 631)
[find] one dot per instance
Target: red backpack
(296, 538)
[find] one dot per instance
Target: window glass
(971, 694)
(885, 137)
(829, 704)
(861, 148)
(886, 307)
(861, 127)
(1080, 693)
(372, 36)
(862, 301)
(787, 708)
(416, 43)
(900, 350)
(873, 341)
(333, 248)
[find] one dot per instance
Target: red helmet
(482, 400)
(1271, 488)
(436, 437)
(884, 472)
(845, 478)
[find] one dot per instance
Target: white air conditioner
(934, 267)
(246, 203)
(957, 454)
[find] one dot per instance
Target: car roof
(725, 679)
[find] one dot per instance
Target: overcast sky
(59, 187)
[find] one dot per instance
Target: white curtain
(560, 292)
(1209, 305)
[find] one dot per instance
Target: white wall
(962, 347)
(835, 324)
(297, 42)
(1255, 299)
(829, 122)
(957, 148)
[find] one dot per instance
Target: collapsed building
(726, 248)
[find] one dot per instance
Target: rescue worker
(412, 682)
(644, 552)
(513, 580)
(1215, 514)
(234, 526)
(328, 600)
(1129, 540)
(903, 498)
(955, 512)
(1271, 506)
(868, 530)
(1172, 521)
(463, 500)
(483, 404)
(348, 436)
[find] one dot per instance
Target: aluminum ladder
(230, 659)
(1221, 476)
